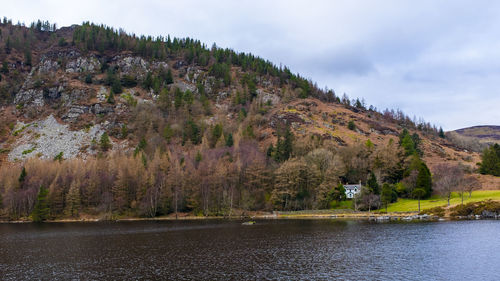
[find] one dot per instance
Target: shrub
(351, 125)
(436, 211)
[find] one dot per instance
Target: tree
(111, 97)
(216, 134)
(229, 140)
(116, 86)
(387, 195)
(351, 125)
(373, 184)
(27, 57)
(366, 200)
(105, 143)
(22, 176)
(88, 78)
(419, 193)
(169, 79)
(490, 164)
(447, 179)
(5, 67)
(7, 45)
(337, 193)
(441, 133)
(424, 179)
(41, 211)
(73, 200)
(469, 184)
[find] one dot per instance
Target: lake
(271, 249)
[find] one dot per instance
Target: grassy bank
(411, 205)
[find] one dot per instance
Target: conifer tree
(41, 211)
(229, 140)
(373, 184)
(104, 142)
(169, 79)
(22, 176)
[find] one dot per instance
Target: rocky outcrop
(83, 64)
(74, 112)
(47, 138)
(135, 66)
(99, 109)
(47, 66)
(30, 97)
(268, 97)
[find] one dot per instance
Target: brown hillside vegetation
(117, 124)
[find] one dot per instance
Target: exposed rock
(221, 96)
(99, 109)
(159, 64)
(75, 95)
(83, 64)
(32, 97)
(48, 138)
(74, 112)
(268, 97)
(185, 86)
(135, 66)
(102, 94)
(47, 66)
(192, 74)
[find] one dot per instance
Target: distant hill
(485, 134)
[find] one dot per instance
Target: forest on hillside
(181, 164)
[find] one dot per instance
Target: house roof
(352, 186)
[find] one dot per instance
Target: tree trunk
(419, 204)
(175, 203)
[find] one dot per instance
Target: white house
(351, 190)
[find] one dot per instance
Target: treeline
(222, 180)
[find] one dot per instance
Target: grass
(411, 205)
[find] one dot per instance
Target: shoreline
(268, 216)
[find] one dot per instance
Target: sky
(438, 60)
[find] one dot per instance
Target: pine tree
(22, 176)
(27, 57)
(7, 46)
(229, 140)
(105, 143)
(5, 67)
(270, 150)
(490, 161)
(111, 97)
(169, 79)
(441, 133)
(41, 211)
(373, 184)
(424, 180)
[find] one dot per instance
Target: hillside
(142, 125)
(485, 134)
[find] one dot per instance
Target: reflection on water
(271, 249)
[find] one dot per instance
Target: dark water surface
(271, 249)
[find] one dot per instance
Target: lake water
(271, 249)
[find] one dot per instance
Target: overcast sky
(439, 60)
